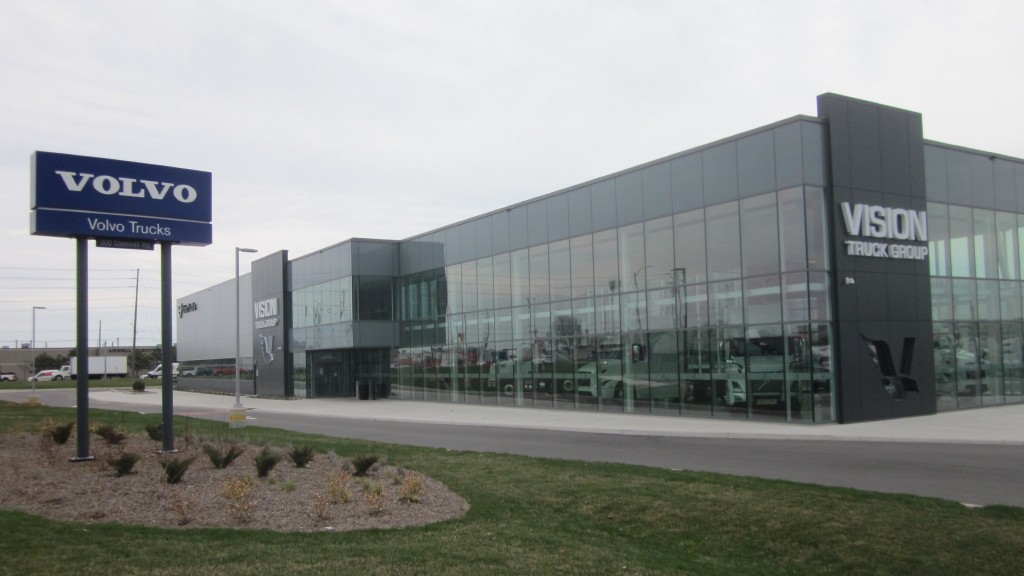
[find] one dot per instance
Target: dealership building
(829, 268)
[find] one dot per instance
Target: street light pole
(33, 398)
(237, 417)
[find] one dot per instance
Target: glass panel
(469, 287)
(1006, 227)
(793, 236)
(485, 283)
(762, 299)
(764, 355)
(821, 373)
(689, 246)
(540, 278)
(607, 309)
(990, 345)
(375, 297)
(985, 257)
(968, 369)
(659, 251)
(606, 262)
(582, 248)
(453, 277)
(695, 313)
(965, 304)
(1009, 301)
(697, 360)
(634, 311)
(559, 271)
(759, 221)
(728, 383)
(938, 239)
(502, 281)
(520, 277)
(942, 299)
(725, 303)
(1013, 362)
(634, 390)
(503, 324)
(988, 300)
(585, 355)
(723, 241)
(799, 376)
(632, 268)
(1020, 243)
(795, 298)
(665, 392)
(961, 248)
(661, 309)
(944, 357)
(522, 323)
(817, 230)
(565, 332)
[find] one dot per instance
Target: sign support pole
(167, 371)
(82, 329)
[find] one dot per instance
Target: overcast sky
(327, 120)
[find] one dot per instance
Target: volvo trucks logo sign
(81, 196)
(884, 223)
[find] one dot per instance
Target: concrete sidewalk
(997, 425)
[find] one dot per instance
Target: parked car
(47, 375)
(8, 376)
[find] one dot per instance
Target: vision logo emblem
(893, 382)
(267, 348)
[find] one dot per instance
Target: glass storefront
(720, 311)
(976, 305)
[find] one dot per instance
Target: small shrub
(289, 486)
(412, 488)
(376, 503)
(337, 488)
(175, 468)
(265, 462)
(59, 433)
(322, 506)
(222, 458)
(238, 492)
(124, 463)
(302, 455)
(155, 431)
(182, 506)
(139, 386)
(109, 435)
(362, 464)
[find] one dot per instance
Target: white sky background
(322, 121)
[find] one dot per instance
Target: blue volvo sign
(81, 196)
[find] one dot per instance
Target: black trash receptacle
(363, 390)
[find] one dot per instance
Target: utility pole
(135, 322)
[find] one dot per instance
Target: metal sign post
(121, 205)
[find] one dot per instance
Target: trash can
(363, 390)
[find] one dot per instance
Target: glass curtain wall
(975, 263)
(720, 311)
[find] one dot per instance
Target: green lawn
(72, 383)
(538, 516)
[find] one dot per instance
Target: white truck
(99, 367)
(158, 372)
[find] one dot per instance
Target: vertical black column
(882, 299)
(82, 343)
(167, 360)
